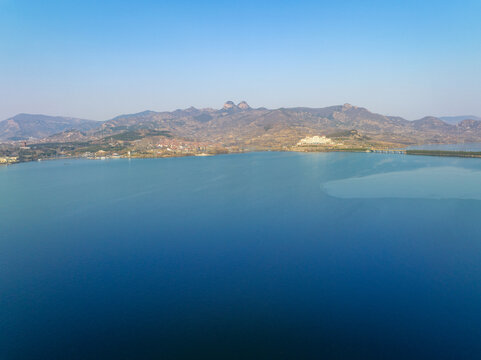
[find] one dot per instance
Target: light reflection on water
(425, 183)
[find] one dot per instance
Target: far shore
(439, 153)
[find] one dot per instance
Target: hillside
(242, 125)
(246, 127)
(31, 126)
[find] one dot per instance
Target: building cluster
(316, 140)
(183, 146)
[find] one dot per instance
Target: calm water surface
(262, 255)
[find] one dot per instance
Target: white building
(316, 140)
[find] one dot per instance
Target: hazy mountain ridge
(453, 120)
(36, 126)
(242, 125)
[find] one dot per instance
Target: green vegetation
(137, 135)
(342, 133)
(125, 136)
(444, 153)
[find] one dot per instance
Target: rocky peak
(243, 105)
(228, 105)
(347, 106)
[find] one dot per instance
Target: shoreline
(412, 152)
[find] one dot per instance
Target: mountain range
(239, 124)
(457, 119)
(31, 126)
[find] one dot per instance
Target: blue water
(261, 255)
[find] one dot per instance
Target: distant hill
(32, 126)
(241, 125)
(457, 119)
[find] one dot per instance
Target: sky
(98, 59)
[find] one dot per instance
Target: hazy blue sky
(97, 59)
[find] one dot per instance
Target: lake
(259, 255)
